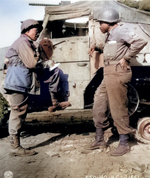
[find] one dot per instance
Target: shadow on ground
(63, 129)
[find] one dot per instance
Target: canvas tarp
(74, 10)
(84, 8)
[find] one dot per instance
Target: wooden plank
(65, 116)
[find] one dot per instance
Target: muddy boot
(59, 106)
(64, 104)
(99, 141)
(123, 146)
(52, 108)
(55, 106)
(16, 149)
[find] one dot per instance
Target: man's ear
(27, 32)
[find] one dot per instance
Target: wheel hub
(144, 128)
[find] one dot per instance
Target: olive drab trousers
(111, 96)
(19, 104)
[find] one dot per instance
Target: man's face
(33, 33)
(104, 27)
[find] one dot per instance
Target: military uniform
(20, 80)
(121, 45)
(112, 93)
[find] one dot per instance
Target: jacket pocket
(110, 50)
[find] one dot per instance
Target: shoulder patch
(133, 34)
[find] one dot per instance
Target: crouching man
(57, 80)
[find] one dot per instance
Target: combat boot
(64, 104)
(58, 106)
(55, 106)
(123, 146)
(99, 141)
(16, 149)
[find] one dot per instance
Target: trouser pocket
(124, 74)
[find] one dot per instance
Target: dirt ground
(61, 152)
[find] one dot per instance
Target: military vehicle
(76, 26)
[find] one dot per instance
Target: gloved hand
(45, 49)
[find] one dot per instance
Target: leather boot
(16, 149)
(123, 146)
(99, 141)
(64, 104)
(55, 106)
(59, 106)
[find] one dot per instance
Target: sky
(12, 12)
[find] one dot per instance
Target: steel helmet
(109, 15)
(28, 24)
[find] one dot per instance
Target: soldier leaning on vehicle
(20, 80)
(121, 45)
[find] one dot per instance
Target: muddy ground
(60, 139)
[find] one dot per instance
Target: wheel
(133, 99)
(143, 128)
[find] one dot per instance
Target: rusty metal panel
(73, 49)
(78, 78)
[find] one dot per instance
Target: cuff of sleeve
(126, 58)
(97, 48)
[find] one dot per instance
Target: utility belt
(107, 63)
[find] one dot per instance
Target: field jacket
(122, 42)
(22, 58)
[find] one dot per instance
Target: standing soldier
(20, 80)
(121, 45)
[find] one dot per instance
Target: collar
(29, 39)
(115, 26)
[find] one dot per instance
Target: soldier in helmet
(22, 59)
(121, 45)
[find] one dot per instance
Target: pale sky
(12, 12)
